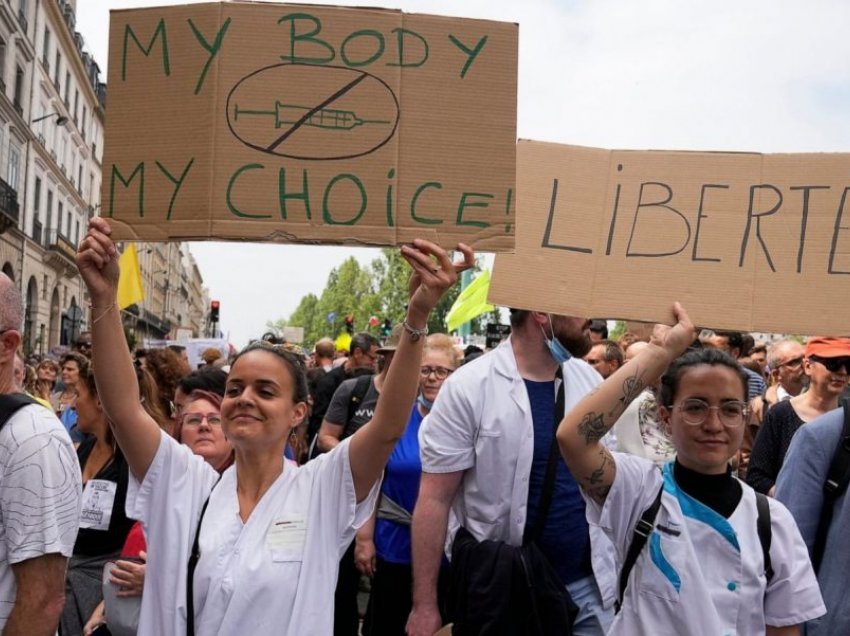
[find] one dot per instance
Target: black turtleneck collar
(721, 493)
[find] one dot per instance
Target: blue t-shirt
(68, 417)
(401, 484)
(565, 539)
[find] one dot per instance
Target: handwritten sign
(745, 241)
(263, 121)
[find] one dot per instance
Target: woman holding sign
(700, 552)
(255, 551)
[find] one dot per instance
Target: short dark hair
(613, 351)
(712, 357)
(363, 341)
(600, 327)
(208, 378)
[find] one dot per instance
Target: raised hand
(676, 339)
(97, 260)
(433, 273)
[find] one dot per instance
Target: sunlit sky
(766, 75)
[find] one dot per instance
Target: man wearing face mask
(485, 448)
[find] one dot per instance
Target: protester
(72, 366)
(598, 331)
(361, 360)
(82, 344)
(735, 344)
(785, 361)
(103, 523)
(827, 374)
(485, 448)
(271, 538)
(166, 368)
(800, 486)
(199, 428)
(384, 544)
(352, 406)
(46, 372)
(704, 570)
(39, 496)
(605, 356)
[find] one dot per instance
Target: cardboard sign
(745, 241)
(275, 122)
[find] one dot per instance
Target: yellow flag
(130, 289)
(471, 302)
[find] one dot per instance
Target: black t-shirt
(91, 542)
(337, 412)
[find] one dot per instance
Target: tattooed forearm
(632, 387)
(592, 427)
(598, 483)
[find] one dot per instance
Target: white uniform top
(276, 573)
(700, 573)
(481, 424)
(39, 494)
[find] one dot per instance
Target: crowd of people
(563, 482)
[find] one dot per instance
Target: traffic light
(387, 329)
(214, 306)
(349, 324)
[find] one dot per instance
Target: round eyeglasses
(695, 411)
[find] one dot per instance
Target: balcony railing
(9, 209)
(60, 250)
(36, 231)
(22, 20)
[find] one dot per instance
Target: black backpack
(835, 485)
(358, 392)
(11, 403)
(646, 524)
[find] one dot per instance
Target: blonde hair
(442, 343)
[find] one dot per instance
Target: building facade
(52, 109)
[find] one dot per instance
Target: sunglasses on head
(833, 365)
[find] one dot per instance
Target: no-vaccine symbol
(319, 112)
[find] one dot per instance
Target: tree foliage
(378, 289)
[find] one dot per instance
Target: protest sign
(263, 121)
(745, 241)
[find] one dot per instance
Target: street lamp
(61, 120)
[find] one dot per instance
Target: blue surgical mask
(425, 404)
(558, 351)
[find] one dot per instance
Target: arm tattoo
(592, 427)
(595, 483)
(632, 387)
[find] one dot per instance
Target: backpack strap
(11, 403)
(194, 557)
(639, 538)
(765, 532)
(836, 483)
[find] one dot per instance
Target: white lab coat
(700, 573)
(274, 574)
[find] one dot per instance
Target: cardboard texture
(292, 123)
(745, 241)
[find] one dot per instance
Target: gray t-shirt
(337, 412)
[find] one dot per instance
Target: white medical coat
(274, 574)
(700, 573)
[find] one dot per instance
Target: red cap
(828, 347)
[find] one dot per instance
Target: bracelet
(106, 310)
(415, 334)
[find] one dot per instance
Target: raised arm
(135, 431)
(579, 433)
(433, 273)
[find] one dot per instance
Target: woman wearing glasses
(256, 550)
(702, 569)
(827, 365)
(383, 545)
